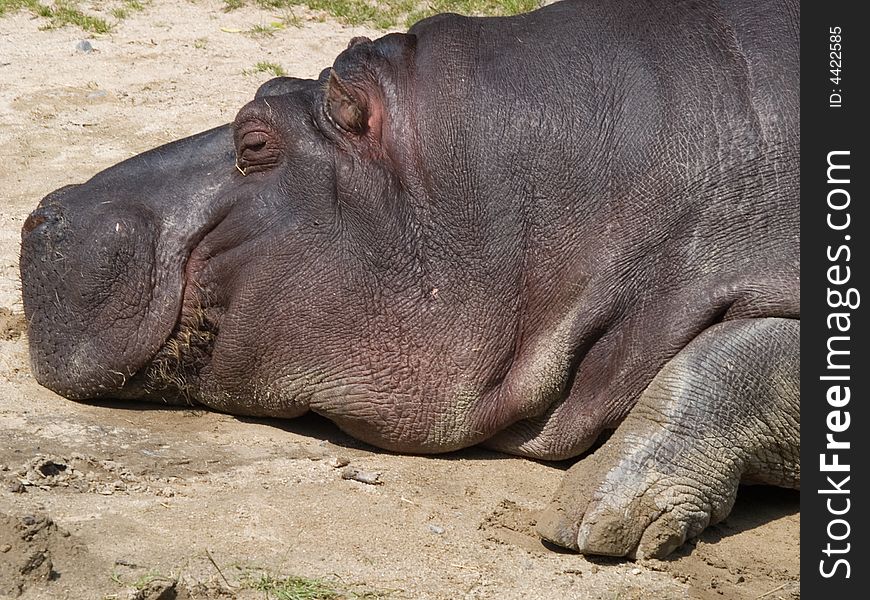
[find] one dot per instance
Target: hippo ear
(346, 109)
(363, 80)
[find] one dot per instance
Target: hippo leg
(724, 410)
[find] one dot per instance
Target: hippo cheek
(95, 304)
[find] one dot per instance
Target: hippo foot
(719, 413)
(636, 509)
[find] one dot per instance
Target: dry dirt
(96, 501)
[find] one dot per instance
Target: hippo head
(301, 258)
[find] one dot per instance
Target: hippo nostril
(33, 221)
(47, 215)
(49, 209)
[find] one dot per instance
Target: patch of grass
(290, 18)
(291, 588)
(470, 7)
(386, 14)
(351, 12)
(266, 67)
(262, 31)
(127, 7)
(382, 14)
(61, 13)
(68, 13)
(141, 582)
(11, 6)
(304, 588)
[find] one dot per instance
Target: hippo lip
(169, 374)
(194, 264)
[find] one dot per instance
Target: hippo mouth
(171, 375)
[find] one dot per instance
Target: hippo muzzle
(103, 263)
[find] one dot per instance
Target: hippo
(568, 233)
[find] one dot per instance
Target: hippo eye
(257, 150)
(254, 141)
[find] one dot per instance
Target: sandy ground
(97, 500)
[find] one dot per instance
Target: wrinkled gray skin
(515, 232)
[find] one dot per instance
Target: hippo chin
(519, 232)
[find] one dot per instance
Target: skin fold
(519, 232)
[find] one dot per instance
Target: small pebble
(84, 46)
(16, 487)
(5, 548)
(436, 529)
(369, 477)
(338, 462)
(635, 571)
